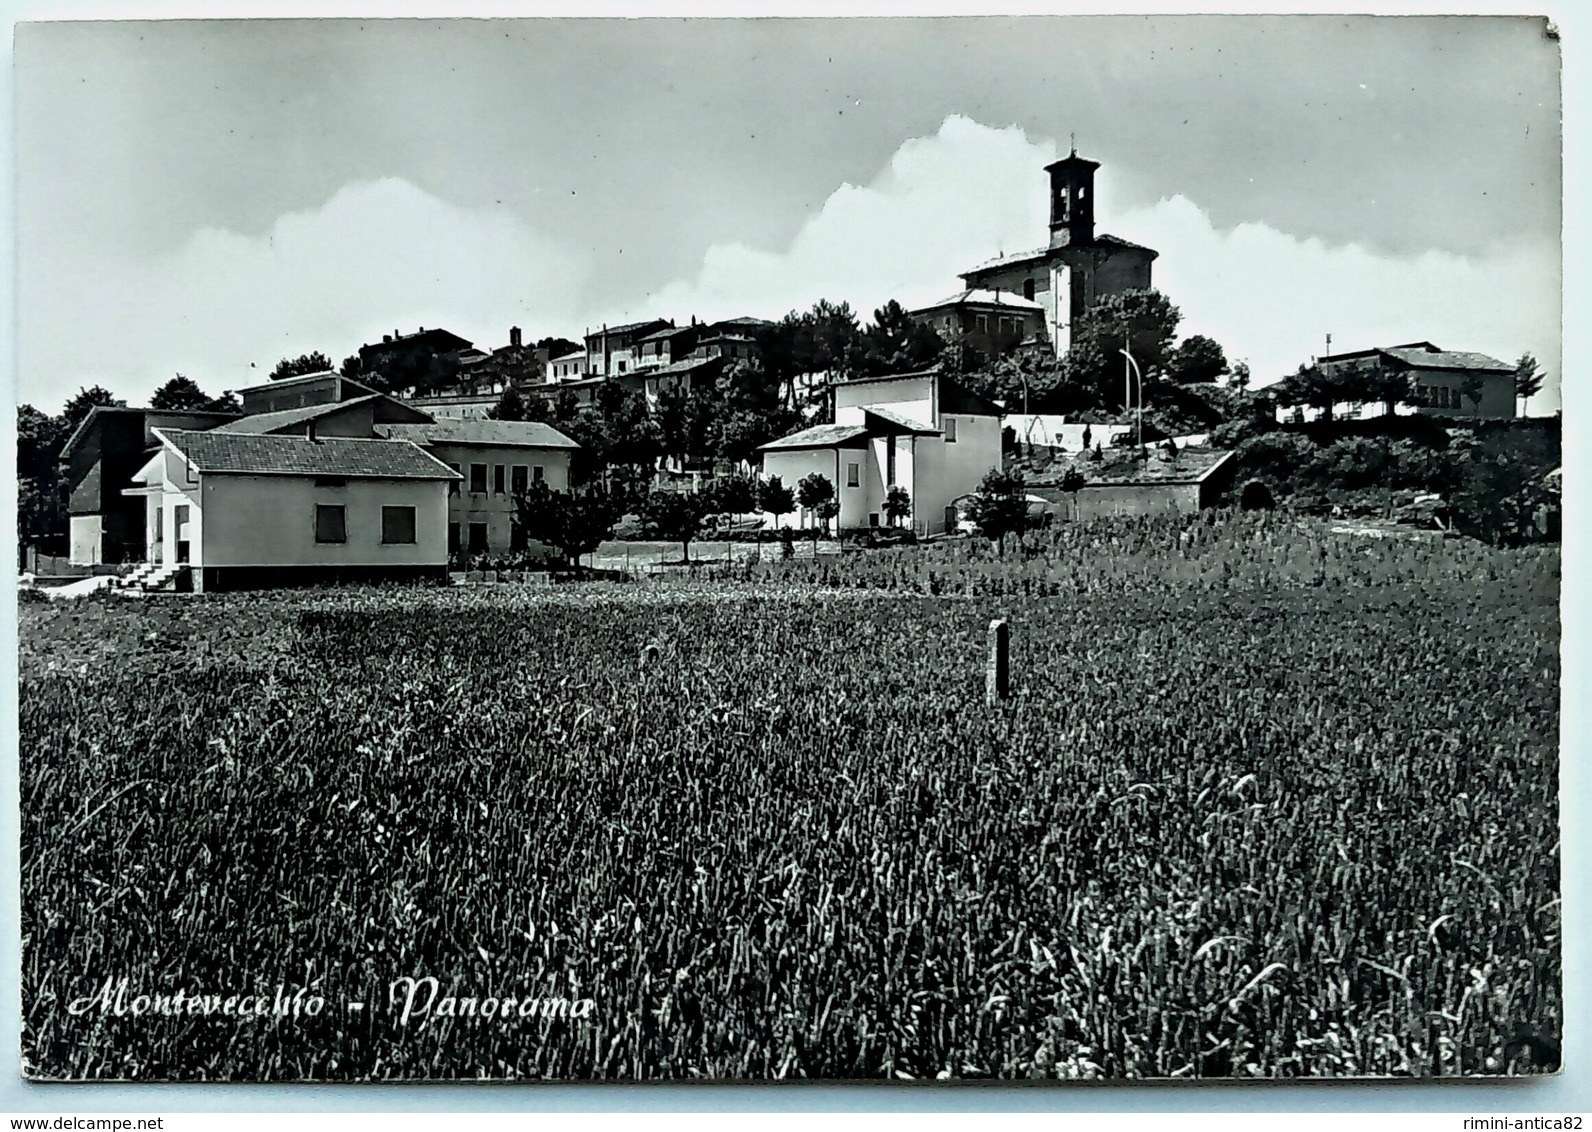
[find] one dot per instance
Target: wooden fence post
(997, 670)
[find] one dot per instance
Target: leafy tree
(1473, 388)
(895, 342)
(510, 407)
(1239, 378)
(83, 402)
(897, 505)
(999, 507)
(735, 495)
(576, 523)
(353, 368)
(1143, 321)
(226, 403)
(557, 347)
(1528, 379)
(1197, 360)
(1309, 386)
(313, 362)
(775, 498)
(674, 515)
(828, 512)
(41, 511)
(814, 491)
(1391, 387)
(179, 394)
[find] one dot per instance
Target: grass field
(1265, 801)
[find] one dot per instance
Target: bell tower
(1072, 201)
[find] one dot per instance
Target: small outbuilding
(1124, 483)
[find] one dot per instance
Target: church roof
(1041, 255)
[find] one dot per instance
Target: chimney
(395, 333)
(514, 336)
(386, 337)
(309, 433)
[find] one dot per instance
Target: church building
(1077, 268)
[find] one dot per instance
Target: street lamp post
(1133, 367)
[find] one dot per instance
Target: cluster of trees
(1489, 478)
(1180, 378)
(577, 522)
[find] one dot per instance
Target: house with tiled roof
(1078, 267)
(1460, 384)
(235, 510)
(992, 322)
(922, 432)
(496, 462)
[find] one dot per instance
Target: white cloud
(969, 192)
(376, 257)
(385, 255)
(944, 203)
(1272, 298)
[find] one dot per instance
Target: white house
(244, 510)
(496, 460)
(923, 432)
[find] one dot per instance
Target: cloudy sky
(200, 197)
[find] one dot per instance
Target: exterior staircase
(151, 577)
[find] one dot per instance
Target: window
(477, 538)
(950, 429)
(519, 480)
(453, 485)
(497, 478)
(516, 536)
(453, 538)
(330, 525)
(621, 367)
(889, 461)
(873, 518)
(397, 525)
(853, 475)
(537, 474)
(983, 324)
(1028, 289)
(478, 479)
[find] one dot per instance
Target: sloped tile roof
(263, 423)
(983, 298)
(1046, 252)
(252, 454)
(1446, 359)
(499, 434)
(1123, 467)
(819, 436)
(906, 424)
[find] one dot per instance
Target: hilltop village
(1048, 386)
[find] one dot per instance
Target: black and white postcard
(888, 549)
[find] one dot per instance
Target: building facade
(1077, 268)
(1445, 383)
(98, 462)
(921, 432)
(248, 511)
(495, 461)
(991, 322)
